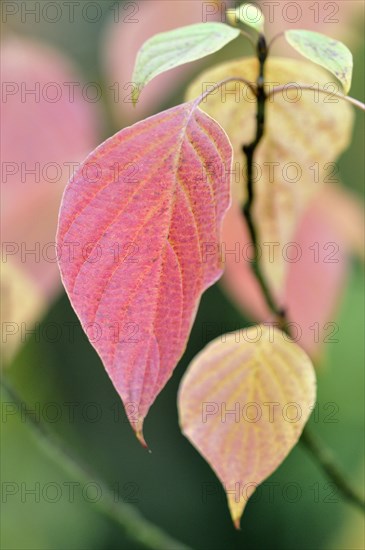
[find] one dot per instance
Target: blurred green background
(173, 487)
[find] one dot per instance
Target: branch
(321, 454)
(325, 459)
(249, 151)
(135, 527)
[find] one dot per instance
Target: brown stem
(249, 151)
(311, 441)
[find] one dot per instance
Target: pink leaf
(314, 282)
(46, 131)
(156, 194)
(344, 212)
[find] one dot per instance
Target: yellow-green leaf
(243, 404)
(170, 49)
(325, 51)
(249, 14)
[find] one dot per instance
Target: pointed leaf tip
(150, 226)
(243, 403)
(135, 94)
(237, 523)
(141, 439)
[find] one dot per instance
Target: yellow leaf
(243, 403)
(23, 304)
(304, 131)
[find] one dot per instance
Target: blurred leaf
(329, 232)
(302, 134)
(170, 49)
(22, 303)
(39, 113)
(38, 160)
(317, 260)
(343, 210)
(327, 52)
(236, 404)
(160, 222)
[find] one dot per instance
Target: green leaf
(171, 49)
(327, 52)
(249, 15)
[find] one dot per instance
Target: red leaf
(160, 216)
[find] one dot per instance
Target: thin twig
(347, 98)
(249, 151)
(135, 527)
(274, 38)
(216, 86)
